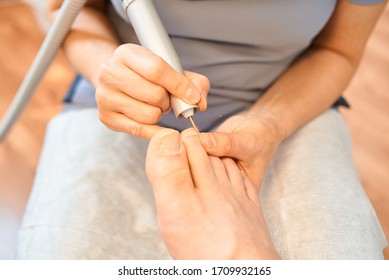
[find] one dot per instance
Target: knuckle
(105, 73)
(135, 128)
(124, 53)
(122, 50)
(99, 96)
(165, 107)
(118, 51)
(152, 115)
(102, 71)
(180, 85)
(102, 99)
(158, 95)
(156, 66)
(228, 145)
(105, 119)
(199, 80)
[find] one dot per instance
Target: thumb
(167, 166)
(221, 144)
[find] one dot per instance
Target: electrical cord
(53, 41)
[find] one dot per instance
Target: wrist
(275, 129)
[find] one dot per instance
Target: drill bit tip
(193, 124)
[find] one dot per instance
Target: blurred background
(22, 27)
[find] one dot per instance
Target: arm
(321, 75)
(306, 89)
(91, 41)
(132, 83)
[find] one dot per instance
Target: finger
(239, 147)
(116, 76)
(202, 83)
(130, 107)
(156, 70)
(167, 167)
(119, 122)
(221, 144)
(200, 164)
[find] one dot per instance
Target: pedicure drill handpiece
(152, 34)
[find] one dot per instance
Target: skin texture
(137, 109)
(205, 200)
(305, 90)
(311, 85)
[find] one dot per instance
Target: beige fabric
(91, 199)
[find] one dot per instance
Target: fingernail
(188, 132)
(193, 95)
(208, 140)
(170, 142)
(191, 139)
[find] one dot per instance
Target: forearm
(319, 77)
(304, 91)
(88, 49)
(91, 40)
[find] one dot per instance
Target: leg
(91, 198)
(313, 201)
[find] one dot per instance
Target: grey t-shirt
(242, 46)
